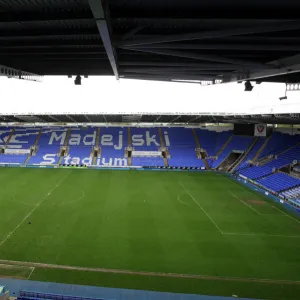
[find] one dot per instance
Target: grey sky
(106, 95)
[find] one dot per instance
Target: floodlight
(248, 86)
(77, 80)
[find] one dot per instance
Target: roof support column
(101, 19)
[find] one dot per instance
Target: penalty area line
(287, 215)
(244, 203)
(197, 203)
(154, 274)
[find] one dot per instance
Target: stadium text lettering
(108, 139)
(68, 160)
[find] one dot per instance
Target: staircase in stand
(34, 148)
(261, 149)
(96, 147)
(38, 138)
(224, 146)
(9, 138)
(162, 145)
(198, 145)
(27, 159)
(242, 157)
(129, 159)
(65, 145)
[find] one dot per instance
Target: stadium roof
(190, 40)
(155, 119)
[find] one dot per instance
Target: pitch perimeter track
(145, 273)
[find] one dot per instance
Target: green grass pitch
(166, 231)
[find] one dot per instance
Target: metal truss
(19, 74)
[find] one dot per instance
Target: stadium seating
(24, 295)
(278, 182)
(13, 159)
(278, 143)
(182, 148)
(113, 142)
(148, 161)
(251, 154)
(282, 160)
(48, 146)
(180, 143)
(293, 193)
(23, 138)
(237, 143)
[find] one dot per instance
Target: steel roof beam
(279, 27)
(101, 19)
(224, 46)
(170, 77)
(192, 65)
(19, 74)
(63, 15)
(132, 32)
(282, 66)
(172, 71)
(55, 119)
(205, 57)
(44, 36)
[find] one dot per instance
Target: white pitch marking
(258, 196)
(244, 189)
(178, 198)
(33, 268)
(286, 214)
(244, 203)
(201, 208)
(82, 196)
(12, 232)
(25, 203)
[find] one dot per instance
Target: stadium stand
(278, 182)
(113, 141)
(278, 143)
(23, 138)
(13, 159)
(48, 146)
(182, 148)
(236, 143)
(245, 162)
(293, 193)
(285, 158)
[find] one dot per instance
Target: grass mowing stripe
(145, 273)
(262, 235)
(197, 203)
(31, 212)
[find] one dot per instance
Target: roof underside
(154, 119)
(230, 40)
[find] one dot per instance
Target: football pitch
(198, 233)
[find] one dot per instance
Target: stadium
(165, 205)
